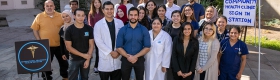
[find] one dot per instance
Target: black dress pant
(97, 56)
(176, 77)
(202, 75)
(115, 75)
(63, 64)
(127, 66)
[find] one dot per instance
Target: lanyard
(221, 36)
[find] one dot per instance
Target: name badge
(86, 34)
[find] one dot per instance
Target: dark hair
(224, 17)
(176, 11)
(133, 9)
(235, 27)
(122, 2)
(155, 10)
(184, 17)
(92, 11)
(74, 1)
(107, 3)
(157, 18)
(144, 21)
(78, 10)
(161, 6)
(181, 34)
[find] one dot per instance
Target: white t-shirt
(142, 4)
(128, 6)
(169, 10)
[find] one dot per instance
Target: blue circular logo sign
(24, 63)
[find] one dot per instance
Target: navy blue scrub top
(222, 36)
(230, 59)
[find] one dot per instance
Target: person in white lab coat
(158, 58)
(105, 34)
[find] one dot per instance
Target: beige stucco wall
(270, 9)
(16, 4)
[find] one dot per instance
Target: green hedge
(265, 42)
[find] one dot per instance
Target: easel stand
(31, 75)
(244, 39)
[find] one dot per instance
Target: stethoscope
(221, 36)
(224, 46)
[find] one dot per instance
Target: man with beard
(133, 42)
(198, 9)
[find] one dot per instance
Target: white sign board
(240, 12)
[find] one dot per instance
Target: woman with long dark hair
(95, 14)
(184, 53)
(161, 10)
(188, 16)
(143, 18)
(152, 11)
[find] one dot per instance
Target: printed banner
(240, 12)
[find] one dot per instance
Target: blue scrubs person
(230, 59)
(222, 36)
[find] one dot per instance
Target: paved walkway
(8, 70)
(16, 32)
(8, 67)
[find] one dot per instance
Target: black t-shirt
(79, 38)
(111, 26)
(174, 32)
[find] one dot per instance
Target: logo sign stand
(33, 56)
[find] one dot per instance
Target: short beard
(133, 22)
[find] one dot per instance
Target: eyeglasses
(208, 29)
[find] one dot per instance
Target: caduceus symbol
(32, 49)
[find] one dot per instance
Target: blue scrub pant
(228, 76)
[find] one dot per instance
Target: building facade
(16, 4)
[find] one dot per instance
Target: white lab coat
(102, 40)
(159, 56)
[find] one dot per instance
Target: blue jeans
(76, 68)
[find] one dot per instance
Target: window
(23, 2)
(4, 3)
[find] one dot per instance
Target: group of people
(165, 42)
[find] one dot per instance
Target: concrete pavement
(19, 30)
